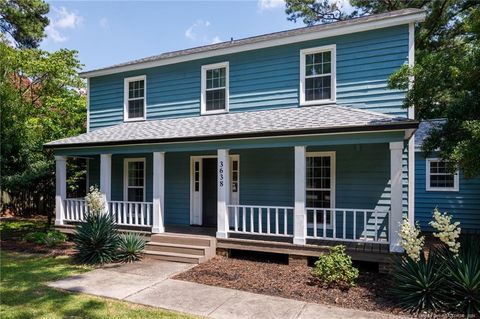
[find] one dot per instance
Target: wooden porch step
(177, 248)
(173, 256)
(183, 239)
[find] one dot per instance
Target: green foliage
(130, 247)
(49, 238)
(96, 239)
(24, 21)
(463, 276)
(420, 285)
(335, 269)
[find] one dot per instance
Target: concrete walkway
(148, 283)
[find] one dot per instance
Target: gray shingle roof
(288, 121)
(424, 129)
(265, 37)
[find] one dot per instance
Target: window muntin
(320, 184)
(439, 177)
(317, 75)
(135, 98)
(215, 88)
(134, 180)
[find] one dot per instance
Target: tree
(42, 99)
(24, 21)
(446, 72)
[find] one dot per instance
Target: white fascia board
(329, 31)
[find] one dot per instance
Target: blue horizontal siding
(463, 205)
(265, 79)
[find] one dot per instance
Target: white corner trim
(203, 95)
(332, 30)
(333, 82)
(125, 98)
(411, 63)
(125, 176)
(428, 188)
(88, 105)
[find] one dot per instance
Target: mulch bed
(65, 249)
(295, 282)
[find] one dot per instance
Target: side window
(214, 95)
(135, 98)
(134, 180)
(439, 178)
(318, 75)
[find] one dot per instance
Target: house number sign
(220, 173)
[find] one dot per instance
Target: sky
(110, 32)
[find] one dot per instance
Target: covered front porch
(329, 190)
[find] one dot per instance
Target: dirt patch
(295, 282)
(65, 249)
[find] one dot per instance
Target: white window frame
(333, 95)
(332, 155)
(203, 94)
(125, 177)
(126, 99)
(456, 179)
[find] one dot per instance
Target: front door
(209, 190)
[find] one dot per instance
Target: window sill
(136, 119)
(214, 112)
(317, 102)
(442, 189)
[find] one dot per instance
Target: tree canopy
(446, 73)
(42, 99)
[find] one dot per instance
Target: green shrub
(96, 239)
(130, 247)
(49, 238)
(335, 269)
(420, 285)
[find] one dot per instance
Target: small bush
(335, 269)
(49, 238)
(420, 284)
(96, 239)
(130, 247)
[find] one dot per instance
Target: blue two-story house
(284, 142)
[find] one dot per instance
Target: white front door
(196, 185)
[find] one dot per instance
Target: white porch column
(396, 194)
(106, 177)
(60, 188)
(223, 179)
(300, 218)
(158, 192)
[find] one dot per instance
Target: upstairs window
(439, 178)
(214, 96)
(134, 180)
(135, 98)
(318, 75)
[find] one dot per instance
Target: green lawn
(23, 293)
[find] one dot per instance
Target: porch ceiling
(277, 122)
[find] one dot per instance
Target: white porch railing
(261, 220)
(350, 225)
(125, 213)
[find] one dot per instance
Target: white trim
(125, 177)
(299, 212)
(205, 68)
(428, 188)
(196, 213)
(333, 176)
(126, 81)
(411, 141)
(60, 188)
(88, 105)
(158, 192)
(106, 176)
(333, 74)
(328, 31)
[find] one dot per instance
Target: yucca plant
(96, 239)
(420, 285)
(463, 276)
(130, 247)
